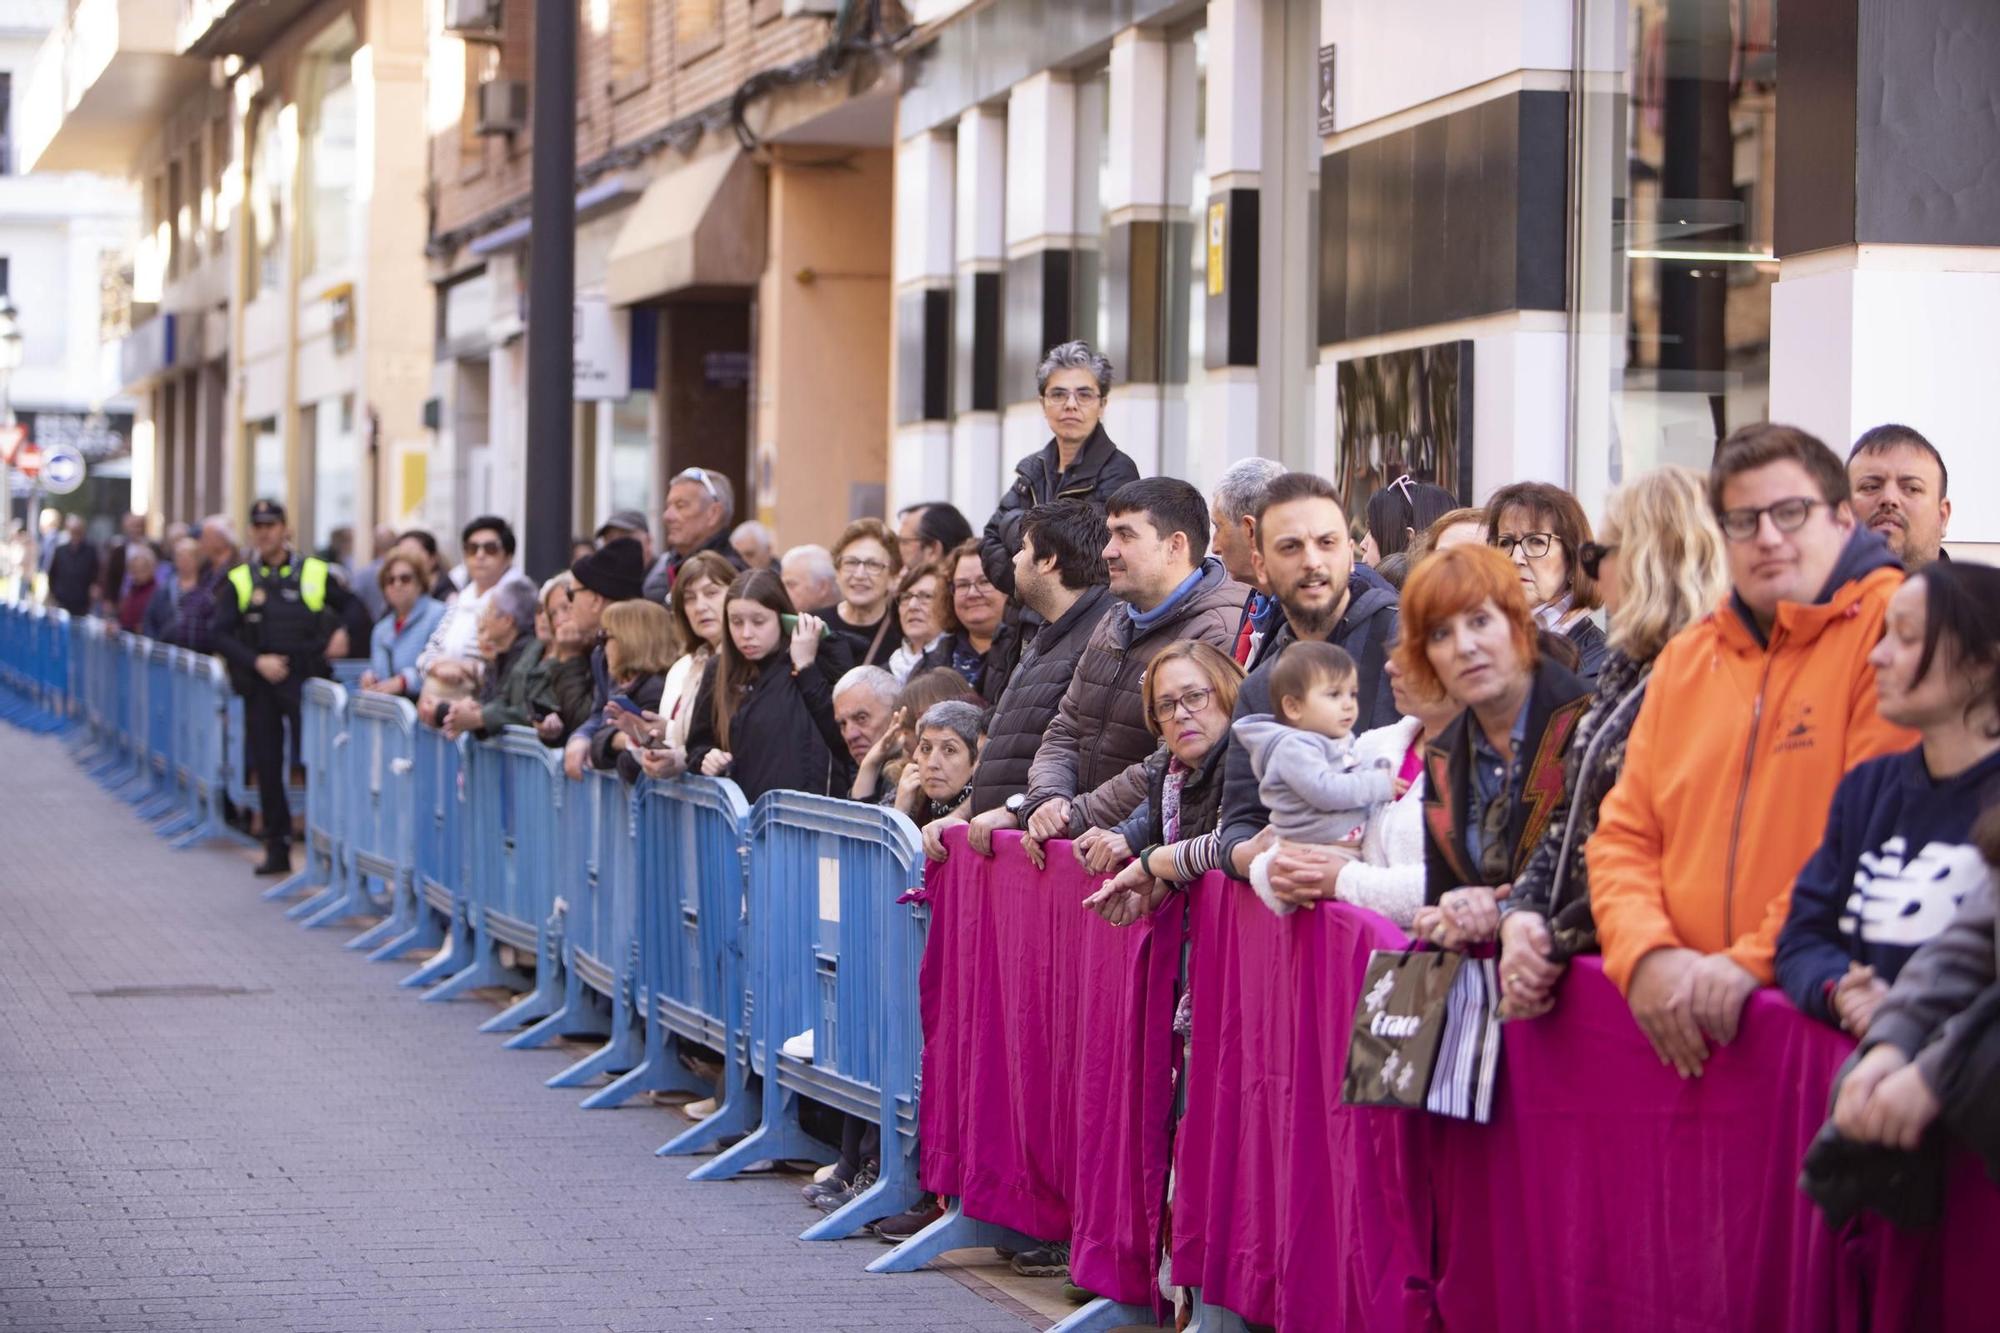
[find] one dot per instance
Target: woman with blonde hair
(638, 650)
(1658, 568)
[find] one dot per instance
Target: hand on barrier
(1129, 895)
(1717, 988)
(666, 761)
(464, 716)
(979, 833)
(1660, 1005)
(1856, 997)
(934, 836)
(1038, 855)
(1050, 820)
(1884, 1099)
(550, 728)
(1302, 873)
(716, 763)
(1528, 976)
(1463, 917)
(1101, 850)
(273, 668)
(575, 755)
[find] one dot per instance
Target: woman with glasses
(1078, 463)
(979, 644)
(1467, 632)
(866, 565)
(920, 598)
(400, 635)
(1659, 568)
(1542, 528)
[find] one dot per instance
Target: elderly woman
(1660, 567)
(979, 644)
(1542, 529)
(885, 769)
(1189, 693)
(866, 566)
(1079, 461)
(948, 739)
(400, 635)
(509, 652)
(919, 604)
(1467, 633)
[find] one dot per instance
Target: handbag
(1398, 1027)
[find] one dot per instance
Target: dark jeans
(267, 711)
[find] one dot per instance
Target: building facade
(734, 183)
(1475, 242)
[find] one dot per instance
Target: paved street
(308, 1148)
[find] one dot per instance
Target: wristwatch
(1017, 803)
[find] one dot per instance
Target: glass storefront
(1672, 263)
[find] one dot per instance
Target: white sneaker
(700, 1110)
(799, 1047)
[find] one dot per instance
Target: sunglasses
(1591, 555)
(483, 548)
(394, 579)
(700, 475)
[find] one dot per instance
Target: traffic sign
(11, 439)
(62, 469)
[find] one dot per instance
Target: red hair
(1449, 583)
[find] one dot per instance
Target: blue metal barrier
(378, 811)
(348, 671)
(439, 875)
(157, 797)
(832, 952)
(322, 752)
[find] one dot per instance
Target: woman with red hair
(1494, 776)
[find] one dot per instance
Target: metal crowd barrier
(322, 735)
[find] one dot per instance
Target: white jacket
(1389, 878)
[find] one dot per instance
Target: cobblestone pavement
(318, 1152)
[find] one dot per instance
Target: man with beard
(1307, 562)
(1899, 481)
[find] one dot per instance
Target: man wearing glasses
(1078, 463)
(487, 543)
(1753, 715)
(700, 504)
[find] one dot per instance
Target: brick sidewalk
(317, 1151)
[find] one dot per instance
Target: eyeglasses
(698, 475)
(916, 599)
(1591, 555)
(1192, 700)
(980, 584)
(1534, 545)
(483, 548)
(855, 564)
(1740, 525)
(394, 579)
(1081, 397)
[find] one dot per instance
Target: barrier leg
(353, 901)
(738, 1112)
(547, 997)
(390, 926)
(576, 1016)
(212, 828)
(306, 878)
(779, 1139)
(619, 1054)
(1213, 1318)
(425, 934)
(483, 970)
(953, 1231)
(329, 895)
(655, 1072)
(455, 954)
(1104, 1314)
(884, 1198)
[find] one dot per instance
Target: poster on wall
(1401, 412)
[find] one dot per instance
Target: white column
(981, 217)
(1041, 164)
(1230, 398)
(920, 464)
(1869, 334)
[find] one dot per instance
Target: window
(270, 168)
(1673, 265)
(697, 28)
(172, 223)
(631, 37)
(4, 289)
(331, 152)
(6, 123)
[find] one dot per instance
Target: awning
(700, 225)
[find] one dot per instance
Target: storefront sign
(95, 435)
(603, 349)
(1325, 91)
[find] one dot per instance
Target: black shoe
(901, 1227)
(832, 1200)
(1051, 1260)
(277, 860)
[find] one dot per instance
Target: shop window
(270, 169)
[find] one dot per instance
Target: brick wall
(618, 100)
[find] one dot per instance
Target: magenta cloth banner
(1607, 1193)
(1048, 1059)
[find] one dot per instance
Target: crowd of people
(1742, 732)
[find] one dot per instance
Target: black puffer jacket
(781, 737)
(1094, 752)
(1101, 467)
(1366, 632)
(1033, 694)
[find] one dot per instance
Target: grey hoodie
(1312, 784)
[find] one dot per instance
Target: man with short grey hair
(863, 702)
(1078, 463)
(700, 504)
(807, 572)
(1233, 511)
(755, 544)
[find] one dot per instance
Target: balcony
(100, 85)
(211, 28)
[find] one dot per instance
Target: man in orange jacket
(1752, 716)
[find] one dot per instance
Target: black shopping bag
(1398, 1025)
(1468, 1057)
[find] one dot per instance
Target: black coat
(1201, 794)
(782, 737)
(858, 638)
(644, 692)
(1555, 705)
(1033, 693)
(1001, 659)
(1100, 469)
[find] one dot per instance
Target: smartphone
(625, 702)
(791, 624)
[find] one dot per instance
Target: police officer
(273, 618)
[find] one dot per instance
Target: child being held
(1303, 756)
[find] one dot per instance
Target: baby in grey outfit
(1303, 754)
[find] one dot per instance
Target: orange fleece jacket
(1728, 776)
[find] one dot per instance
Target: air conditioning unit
(503, 106)
(802, 8)
(473, 18)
